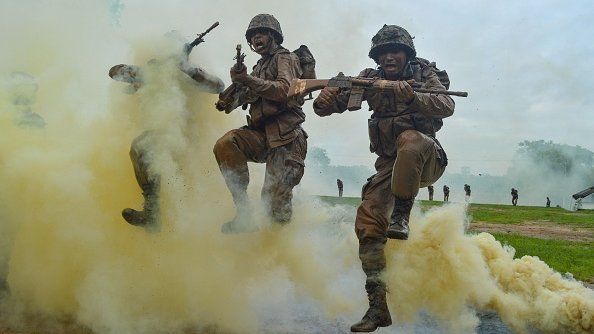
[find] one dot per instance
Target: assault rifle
(357, 86)
(236, 94)
(200, 39)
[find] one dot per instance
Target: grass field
(562, 255)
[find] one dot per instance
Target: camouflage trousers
(140, 155)
(284, 167)
(419, 162)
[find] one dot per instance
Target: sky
(527, 65)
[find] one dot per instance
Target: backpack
(307, 62)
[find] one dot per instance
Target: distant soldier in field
(340, 187)
(548, 202)
(467, 192)
(446, 193)
(514, 194)
(430, 189)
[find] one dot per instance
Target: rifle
(357, 86)
(236, 94)
(200, 39)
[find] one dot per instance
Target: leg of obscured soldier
(148, 180)
(233, 151)
(417, 165)
(284, 170)
(370, 226)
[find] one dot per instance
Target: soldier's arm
(434, 105)
(275, 90)
(337, 107)
(340, 104)
(206, 81)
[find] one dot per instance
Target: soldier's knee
(409, 139)
(223, 143)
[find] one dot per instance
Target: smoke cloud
(72, 264)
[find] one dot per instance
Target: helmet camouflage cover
(264, 21)
(391, 37)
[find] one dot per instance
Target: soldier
(340, 186)
(514, 194)
(446, 193)
(467, 192)
(430, 189)
(402, 131)
(140, 153)
(273, 134)
(548, 202)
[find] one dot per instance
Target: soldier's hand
(404, 92)
(327, 97)
(238, 75)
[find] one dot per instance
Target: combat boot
(243, 221)
(378, 314)
(149, 216)
(398, 228)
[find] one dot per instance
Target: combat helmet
(265, 21)
(389, 37)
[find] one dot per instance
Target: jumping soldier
(402, 131)
(273, 134)
(140, 152)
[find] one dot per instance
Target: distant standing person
(467, 192)
(514, 194)
(446, 193)
(340, 187)
(430, 189)
(548, 202)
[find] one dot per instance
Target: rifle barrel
(442, 92)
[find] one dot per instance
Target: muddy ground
(537, 229)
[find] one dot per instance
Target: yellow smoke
(451, 275)
(69, 257)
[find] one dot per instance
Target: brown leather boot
(398, 228)
(378, 314)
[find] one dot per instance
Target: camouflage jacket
(390, 118)
(270, 80)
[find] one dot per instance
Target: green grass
(502, 214)
(563, 256)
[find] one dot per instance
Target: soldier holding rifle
(402, 131)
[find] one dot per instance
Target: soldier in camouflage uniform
(273, 134)
(402, 131)
(140, 152)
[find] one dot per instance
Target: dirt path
(537, 229)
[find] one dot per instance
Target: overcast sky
(528, 65)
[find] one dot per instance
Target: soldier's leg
(232, 152)
(418, 164)
(148, 180)
(370, 225)
(284, 170)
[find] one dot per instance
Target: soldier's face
(392, 62)
(261, 42)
